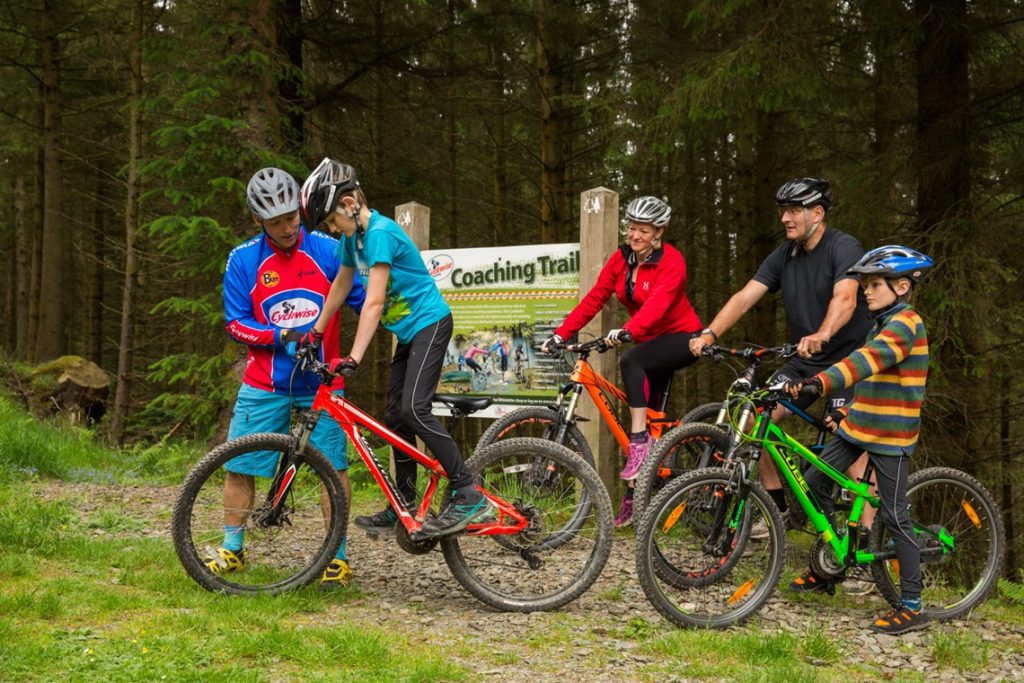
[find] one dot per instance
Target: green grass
(78, 606)
(29, 448)
(85, 597)
(961, 650)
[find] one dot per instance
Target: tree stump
(72, 386)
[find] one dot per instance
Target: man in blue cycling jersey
(275, 286)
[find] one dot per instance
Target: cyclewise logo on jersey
(294, 312)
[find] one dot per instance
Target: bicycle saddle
(463, 404)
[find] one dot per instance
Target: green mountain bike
(699, 565)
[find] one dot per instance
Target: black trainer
(378, 523)
(467, 506)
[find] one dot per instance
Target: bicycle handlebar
(750, 352)
(600, 344)
(306, 361)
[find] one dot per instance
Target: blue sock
(912, 605)
(340, 555)
(233, 537)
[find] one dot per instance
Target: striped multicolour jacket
(890, 372)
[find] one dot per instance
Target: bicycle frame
(780, 446)
(584, 377)
(351, 418)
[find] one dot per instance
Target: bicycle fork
(274, 512)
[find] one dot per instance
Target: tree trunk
(22, 270)
(290, 38)
(131, 226)
(550, 82)
(94, 275)
(35, 267)
(944, 212)
(498, 135)
(48, 341)
(451, 113)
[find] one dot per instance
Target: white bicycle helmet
(649, 210)
(271, 193)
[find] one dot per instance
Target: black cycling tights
(648, 367)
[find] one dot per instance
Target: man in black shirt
(826, 311)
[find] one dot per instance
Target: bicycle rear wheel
(695, 558)
(680, 450)
(540, 423)
(566, 545)
(962, 541)
(281, 553)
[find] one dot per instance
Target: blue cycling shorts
(258, 410)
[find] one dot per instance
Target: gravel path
(601, 636)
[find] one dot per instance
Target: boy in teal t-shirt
(402, 296)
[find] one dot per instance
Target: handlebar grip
(810, 389)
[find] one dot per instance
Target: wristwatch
(708, 330)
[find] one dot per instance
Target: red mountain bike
(546, 544)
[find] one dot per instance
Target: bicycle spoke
(283, 549)
(946, 502)
(696, 560)
(565, 544)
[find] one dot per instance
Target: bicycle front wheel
(284, 548)
(696, 556)
(680, 450)
(566, 544)
(960, 532)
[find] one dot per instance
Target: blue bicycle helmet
(893, 261)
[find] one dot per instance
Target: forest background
(130, 128)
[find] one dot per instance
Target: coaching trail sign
(505, 302)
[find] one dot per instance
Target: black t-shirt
(806, 281)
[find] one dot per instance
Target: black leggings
(891, 477)
(415, 370)
(648, 367)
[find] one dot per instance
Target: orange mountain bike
(546, 543)
(557, 422)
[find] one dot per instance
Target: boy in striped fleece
(884, 417)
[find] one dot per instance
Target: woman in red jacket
(649, 278)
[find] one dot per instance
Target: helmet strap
(810, 230)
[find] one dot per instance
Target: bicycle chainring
(421, 547)
(824, 562)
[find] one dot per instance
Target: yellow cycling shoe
(337, 575)
(226, 561)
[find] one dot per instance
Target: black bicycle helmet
(323, 188)
(649, 210)
(893, 261)
(805, 192)
(271, 193)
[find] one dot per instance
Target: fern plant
(1012, 590)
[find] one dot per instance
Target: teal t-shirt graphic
(412, 300)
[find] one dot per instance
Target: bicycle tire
(499, 570)
(706, 412)
(279, 557)
(536, 422)
(678, 450)
(960, 579)
(478, 381)
(725, 586)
